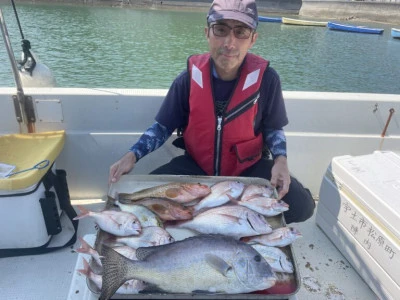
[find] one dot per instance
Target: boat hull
(270, 19)
(354, 28)
(395, 33)
(290, 21)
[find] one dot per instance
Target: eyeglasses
(240, 32)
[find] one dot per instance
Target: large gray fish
(204, 263)
(230, 220)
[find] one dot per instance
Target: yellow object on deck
(26, 150)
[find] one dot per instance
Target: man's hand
(123, 166)
(280, 177)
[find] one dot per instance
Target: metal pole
(22, 104)
(11, 54)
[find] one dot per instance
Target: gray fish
(204, 263)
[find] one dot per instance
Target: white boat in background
(395, 33)
(290, 21)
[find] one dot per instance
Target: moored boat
(290, 21)
(395, 33)
(354, 28)
(270, 19)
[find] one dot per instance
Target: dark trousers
(301, 203)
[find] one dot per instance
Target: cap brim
(232, 15)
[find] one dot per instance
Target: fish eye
(257, 258)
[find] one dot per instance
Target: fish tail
(85, 247)
(84, 213)
(114, 272)
(86, 268)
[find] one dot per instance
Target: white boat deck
(324, 272)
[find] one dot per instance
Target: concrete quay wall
(386, 12)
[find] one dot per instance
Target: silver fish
(150, 236)
(119, 223)
(230, 220)
(204, 263)
(221, 193)
(279, 237)
(252, 190)
(268, 207)
(276, 258)
(146, 216)
(132, 286)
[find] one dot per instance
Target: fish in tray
(132, 286)
(266, 206)
(276, 258)
(85, 248)
(150, 236)
(229, 220)
(252, 190)
(221, 193)
(119, 223)
(179, 192)
(204, 263)
(279, 237)
(146, 216)
(165, 209)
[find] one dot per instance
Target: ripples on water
(104, 47)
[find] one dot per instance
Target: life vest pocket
(250, 150)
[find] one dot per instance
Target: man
(230, 106)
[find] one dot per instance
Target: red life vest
(224, 145)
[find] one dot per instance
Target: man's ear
(253, 39)
(207, 31)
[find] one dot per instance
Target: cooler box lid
(375, 180)
(26, 150)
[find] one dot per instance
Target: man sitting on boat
(230, 106)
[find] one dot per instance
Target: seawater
(114, 47)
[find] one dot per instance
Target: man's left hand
(280, 177)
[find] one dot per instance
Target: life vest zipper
(218, 146)
(240, 109)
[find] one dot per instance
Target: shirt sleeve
(276, 142)
(153, 138)
(272, 117)
(174, 111)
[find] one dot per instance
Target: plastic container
(359, 211)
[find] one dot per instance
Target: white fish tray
(132, 183)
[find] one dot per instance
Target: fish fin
(173, 192)
(151, 289)
(143, 252)
(218, 263)
(84, 248)
(114, 272)
(203, 292)
(84, 213)
(86, 268)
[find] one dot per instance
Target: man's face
(228, 45)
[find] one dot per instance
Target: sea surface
(115, 47)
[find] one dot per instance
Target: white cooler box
(359, 210)
(29, 215)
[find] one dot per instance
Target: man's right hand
(123, 166)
